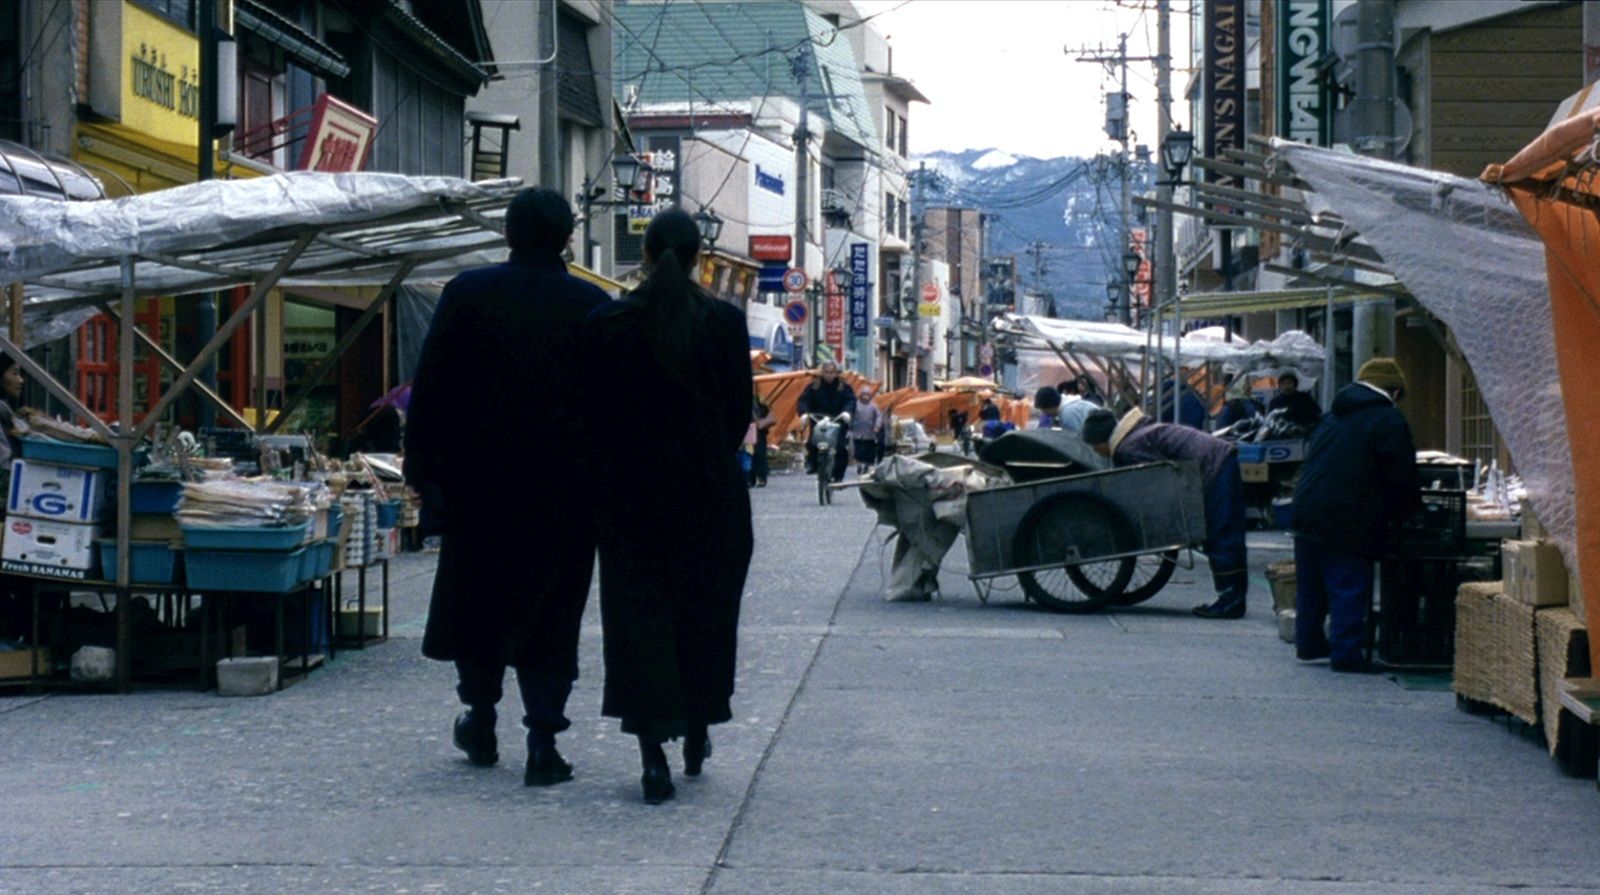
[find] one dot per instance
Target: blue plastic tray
(318, 561)
(152, 562)
(1252, 453)
(388, 513)
(156, 497)
(238, 537)
(73, 454)
(257, 571)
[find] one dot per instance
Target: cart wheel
(824, 467)
(1059, 527)
(1151, 573)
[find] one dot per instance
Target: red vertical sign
(833, 319)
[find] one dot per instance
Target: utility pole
(1117, 128)
(918, 179)
(801, 68)
(205, 310)
(1372, 323)
(1166, 254)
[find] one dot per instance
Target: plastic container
(156, 497)
(1283, 512)
(150, 562)
(1252, 453)
(388, 513)
(239, 537)
(256, 571)
(70, 453)
(318, 561)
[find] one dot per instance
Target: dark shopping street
(893, 748)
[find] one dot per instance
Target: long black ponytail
(674, 304)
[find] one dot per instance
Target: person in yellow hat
(1359, 479)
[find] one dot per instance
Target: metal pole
(914, 362)
(549, 120)
(801, 69)
(205, 321)
(1166, 255)
(1177, 358)
(1372, 323)
(124, 444)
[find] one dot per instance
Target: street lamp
(710, 226)
(1176, 151)
(627, 171)
(843, 278)
(1130, 263)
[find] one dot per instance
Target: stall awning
(25, 172)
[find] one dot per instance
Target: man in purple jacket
(1137, 439)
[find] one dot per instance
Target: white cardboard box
(60, 493)
(1533, 573)
(51, 548)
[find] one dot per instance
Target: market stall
(63, 262)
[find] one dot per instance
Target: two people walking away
(518, 551)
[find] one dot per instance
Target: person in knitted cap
(1358, 481)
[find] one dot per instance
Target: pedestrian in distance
(866, 422)
(1297, 406)
(496, 399)
(1239, 405)
(827, 395)
(1047, 402)
(1358, 481)
(993, 426)
(764, 420)
(1137, 439)
(674, 522)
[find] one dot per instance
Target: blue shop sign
(770, 182)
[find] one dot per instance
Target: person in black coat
(494, 412)
(674, 512)
(827, 395)
(1297, 406)
(1359, 479)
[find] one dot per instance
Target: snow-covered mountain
(1052, 201)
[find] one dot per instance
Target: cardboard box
(1532, 530)
(370, 626)
(1533, 573)
(247, 676)
(60, 493)
(16, 663)
(1282, 578)
(1254, 472)
(38, 546)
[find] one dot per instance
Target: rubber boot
(1232, 587)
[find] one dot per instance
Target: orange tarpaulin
(781, 393)
(1561, 205)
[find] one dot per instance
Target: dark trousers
(866, 450)
(1331, 585)
(841, 453)
(1224, 546)
(544, 695)
(758, 461)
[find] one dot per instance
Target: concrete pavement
(894, 748)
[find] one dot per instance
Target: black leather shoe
(696, 749)
(472, 736)
(1358, 666)
(1221, 610)
(1311, 655)
(657, 783)
(545, 766)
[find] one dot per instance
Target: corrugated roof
(731, 52)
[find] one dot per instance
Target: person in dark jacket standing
(494, 409)
(1297, 406)
(1137, 439)
(1358, 480)
(828, 395)
(675, 535)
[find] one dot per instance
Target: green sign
(1305, 105)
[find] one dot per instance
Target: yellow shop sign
(161, 88)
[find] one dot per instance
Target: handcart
(1082, 542)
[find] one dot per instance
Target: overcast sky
(997, 76)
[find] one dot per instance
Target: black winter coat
(495, 412)
(819, 398)
(674, 515)
(1298, 408)
(1360, 474)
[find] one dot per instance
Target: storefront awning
(24, 172)
(1222, 304)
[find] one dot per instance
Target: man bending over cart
(1137, 439)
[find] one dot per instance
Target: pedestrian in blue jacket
(1358, 480)
(1138, 439)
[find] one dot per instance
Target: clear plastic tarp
(1124, 342)
(1467, 254)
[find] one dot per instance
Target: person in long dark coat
(494, 414)
(674, 512)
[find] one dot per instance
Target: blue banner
(859, 289)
